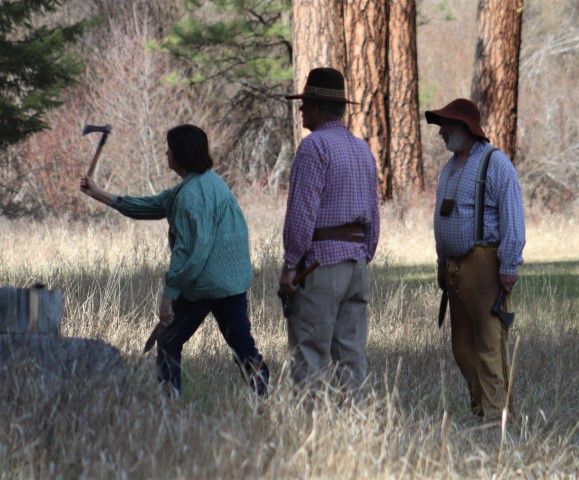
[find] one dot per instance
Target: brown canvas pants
(479, 339)
(328, 326)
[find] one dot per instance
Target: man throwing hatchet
(210, 268)
(332, 217)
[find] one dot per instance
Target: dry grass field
(83, 422)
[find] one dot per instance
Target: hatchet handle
(152, 338)
(303, 274)
(95, 158)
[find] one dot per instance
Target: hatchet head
(106, 129)
(506, 318)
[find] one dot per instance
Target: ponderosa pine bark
(366, 42)
(496, 74)
(405, 142)
(318, 41)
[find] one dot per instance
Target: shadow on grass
(542, 278)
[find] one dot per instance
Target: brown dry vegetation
(125, 84)
(83, 422)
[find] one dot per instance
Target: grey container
(30, 310)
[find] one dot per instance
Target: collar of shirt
(473, 150)
(331, 124)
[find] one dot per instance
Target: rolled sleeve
(511, 219)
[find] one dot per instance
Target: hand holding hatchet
(104, 130)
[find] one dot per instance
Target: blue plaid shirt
(504, 221)
(332, 182)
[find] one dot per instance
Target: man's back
(333, 182)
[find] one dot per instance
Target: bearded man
(479, 243)
(332, 217)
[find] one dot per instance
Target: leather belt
(349, 232)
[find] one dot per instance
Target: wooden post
(30, 310)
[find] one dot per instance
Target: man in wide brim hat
(461, 110)
(332, 217)
(479, 243)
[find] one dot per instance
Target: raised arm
(89, 187)
(140, 208)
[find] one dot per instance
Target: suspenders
(479, 196)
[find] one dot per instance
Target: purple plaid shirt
(332, 182)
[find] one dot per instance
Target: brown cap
(326, 84)
(459, 109)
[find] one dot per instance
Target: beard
(456, 140)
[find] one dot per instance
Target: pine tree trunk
(366, 41)
(405, 143)
(496, 75)
(318, 41)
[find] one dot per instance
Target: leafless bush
(125, 85)
(131, 83)
(548, 125)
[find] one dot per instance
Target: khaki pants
(328, 325)
(479, 339)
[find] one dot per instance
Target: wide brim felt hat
(324, 84)
(460, 109)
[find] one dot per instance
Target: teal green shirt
(207, 235)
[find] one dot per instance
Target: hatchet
(104, 130)
(505, 317)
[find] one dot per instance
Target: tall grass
(83, 422)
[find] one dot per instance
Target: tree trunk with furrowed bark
(354, 37)
(318, 41)
(405, 142)
(366, 41)
(496, 74)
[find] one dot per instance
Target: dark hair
(190, 148)
(330, 109)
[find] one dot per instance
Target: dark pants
(231, 316)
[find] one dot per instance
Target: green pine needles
(246, 42)
(35, 66)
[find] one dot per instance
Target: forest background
(145, 66)
(225, 66)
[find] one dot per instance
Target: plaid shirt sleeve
(303, 203)
(510, 214)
